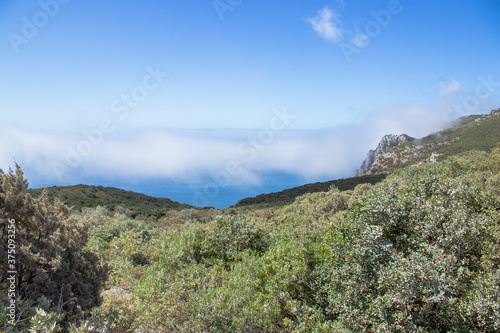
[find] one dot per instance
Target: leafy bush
(229, 236)
(409, 253)
(51, 261)
(314, 210)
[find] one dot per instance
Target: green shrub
(228, 236)
(314, 210)
(408, 253)
(51, 261)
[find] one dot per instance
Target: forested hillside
(417, 252)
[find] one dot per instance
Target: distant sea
(202, 194)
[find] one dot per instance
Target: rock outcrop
(388, 142)
(472, 132)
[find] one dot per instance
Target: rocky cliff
(388, 142)
(474, 132)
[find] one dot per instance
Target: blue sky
(205, 77)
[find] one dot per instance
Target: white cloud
(449, 86)
(327, 25)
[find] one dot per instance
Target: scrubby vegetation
(417, 252)
(477, 132)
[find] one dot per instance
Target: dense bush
(314, 210)
(415, 254)
(229, 236)
(51, 261)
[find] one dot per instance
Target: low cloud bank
(235, 156)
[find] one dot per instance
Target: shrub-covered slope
(80, 196)
(289, 195)
(417, 252)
